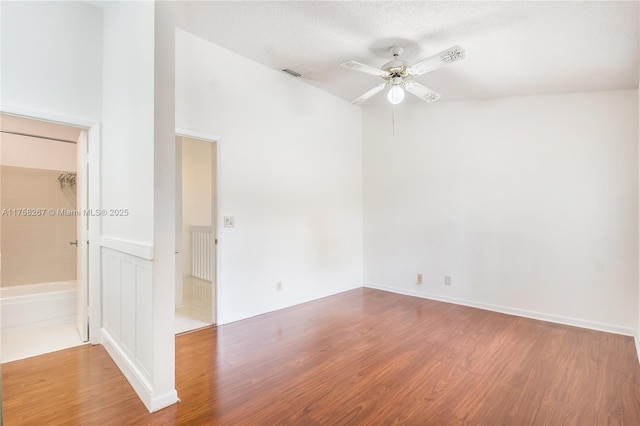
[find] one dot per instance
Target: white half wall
(164, 205)
(529, 204)
(52, 58)
(137, 318)
(127, 326)
(289, 172)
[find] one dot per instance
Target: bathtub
(36, 305)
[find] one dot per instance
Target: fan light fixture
(396, 94)
(395, 73)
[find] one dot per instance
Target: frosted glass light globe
(395, 95)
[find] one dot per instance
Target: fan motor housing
(396, 68)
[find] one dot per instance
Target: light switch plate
(228, 222)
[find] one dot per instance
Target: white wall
(529, 204)
(290, 173)
(164, 202)
(20, 151)
(137, 311)
(196, 192)
(52, 57)
(128, 133)
(58, 60)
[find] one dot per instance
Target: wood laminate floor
(364, 357)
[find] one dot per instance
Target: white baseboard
(636, 338)
(222, 320)
(135, 377)
(158, 402)
(609, 328)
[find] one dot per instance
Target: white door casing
(216, 291)
(90, 136)
(179, 249)
(82, 275)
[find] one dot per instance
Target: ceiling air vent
(292, 72)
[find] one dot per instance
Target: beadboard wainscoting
(127, 316)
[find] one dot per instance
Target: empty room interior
(319, 212)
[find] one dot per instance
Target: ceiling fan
(395, 72)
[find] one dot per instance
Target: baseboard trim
(158, 402)
(223, 320)
(136, 379)
(636, 338)
(609, 328)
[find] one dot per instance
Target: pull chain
(393, 119)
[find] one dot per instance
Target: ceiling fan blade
(369, 94)
(420, 91)
(368, 69)
(436, 61)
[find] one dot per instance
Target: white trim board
(143, 251)
(194, 134)
(609, 328)
(44, 115)
(636, 339)
(135, 377)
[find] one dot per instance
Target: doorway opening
(196, 233)
(44, 262)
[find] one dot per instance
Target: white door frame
(82, 237)
(91, 135)
(218, 288)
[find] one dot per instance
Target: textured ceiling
(512, 48)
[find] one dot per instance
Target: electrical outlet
(279, 286)
(419, 279)
(447, 280)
